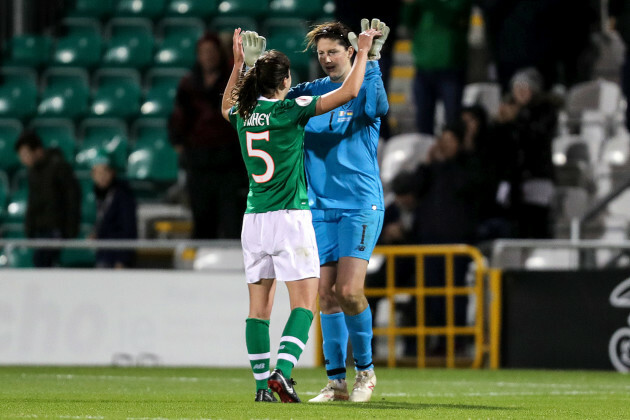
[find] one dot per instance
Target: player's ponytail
(264, 79)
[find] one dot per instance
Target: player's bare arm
(351, 86)
(239, 60)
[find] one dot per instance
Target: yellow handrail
(449, 291)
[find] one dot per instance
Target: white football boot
(336, 390)
(363, 386)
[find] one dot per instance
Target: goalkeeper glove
(377, 44)
(253, 47)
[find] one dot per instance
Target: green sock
(259, 349)
(293, 339)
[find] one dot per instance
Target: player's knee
(350, 297)
(327, 301)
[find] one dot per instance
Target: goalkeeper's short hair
(330, 30)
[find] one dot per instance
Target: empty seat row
(155, 9)
(138, 43)
(127, 42)
(71, 93)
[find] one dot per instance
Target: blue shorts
(346, 233)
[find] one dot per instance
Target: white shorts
(279, 244)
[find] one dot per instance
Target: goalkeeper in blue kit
(278, 237)
(346, 199)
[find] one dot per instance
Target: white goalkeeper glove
(253, 47)
(377, 44)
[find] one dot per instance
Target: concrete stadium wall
(130, 317)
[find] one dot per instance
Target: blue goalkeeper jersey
(340, 146)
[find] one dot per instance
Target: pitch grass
(173, 393)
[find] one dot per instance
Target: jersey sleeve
(376, 104)
(302, 89)
(305, 107)
(233, 117)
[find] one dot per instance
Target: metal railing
(449, 291)
(183, 249)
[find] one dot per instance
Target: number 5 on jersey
(260, 154)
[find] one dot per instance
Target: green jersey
(272, 144)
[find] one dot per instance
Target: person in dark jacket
(208, 146)
(448, 188)
(115, 214)
(54, 196)
(528, 120)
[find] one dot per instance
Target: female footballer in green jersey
(277, 236)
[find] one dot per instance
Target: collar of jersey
(262, 98)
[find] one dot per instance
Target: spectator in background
(620, 17)
(115, 213)
(208, 146)
(528, 118)
(447, 213)
(440, 48)
(447, 187)
(497, 160)
(54, 196)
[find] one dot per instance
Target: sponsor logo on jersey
(303, 100)
(257, 120)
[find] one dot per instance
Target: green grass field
(169, 393)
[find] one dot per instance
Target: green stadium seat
(225, 25)
(153, 158)
(130, 43)
(305, 9)
(57, 133)
(28, 50)
(88, 198)
(66, 92)
(16, 257)
(10, 130)
(192, 8)
(117, 94)
(99, 9)
(291, 42)
(16, 207)
(81, 44)
(252, 8)
(139, 8)
(18, 92)
(103, 133)
(178, 44)
(4, 194)
(161, 91)
(328, 11)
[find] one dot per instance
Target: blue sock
(335, 344)
(360, 331)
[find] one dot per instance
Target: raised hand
(253, 46)
(381, 27)
(237, 48)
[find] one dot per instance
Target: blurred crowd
(488, 175)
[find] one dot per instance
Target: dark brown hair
(265, 78)
(30, 139)
(336, 31)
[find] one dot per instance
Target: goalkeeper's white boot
(363, 386)
(336, 390)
